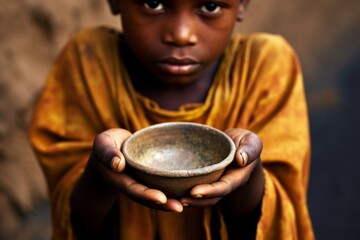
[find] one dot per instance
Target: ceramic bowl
(174, 157)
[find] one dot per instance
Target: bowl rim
(179, 173)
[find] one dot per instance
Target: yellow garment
(258, 86)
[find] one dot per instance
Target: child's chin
(179, 80)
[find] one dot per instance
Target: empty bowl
(176, 156)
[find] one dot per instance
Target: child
(175, 61)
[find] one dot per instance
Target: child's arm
(242, 207)
(93, 198)
(239, 191)
(245, 177)
(91, 203)
(104, 178)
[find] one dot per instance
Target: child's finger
(203, 202)
(232, 179)
(249, 149)
(151, 197)
(248, 144)
(217, 189)
(242, 157)
(141, 193)
(118, 163)
(107, 147)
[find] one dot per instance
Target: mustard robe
(258, 86)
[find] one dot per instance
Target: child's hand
(235, 176)
(110, 162)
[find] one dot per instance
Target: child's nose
(180, 31)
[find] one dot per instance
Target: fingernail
(185, 204)
(162, 200)
(115, 163)
(198, 196)
(244, 158)
(179, 208)
(121, 159)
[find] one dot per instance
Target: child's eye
(210, 8)
(154, 5)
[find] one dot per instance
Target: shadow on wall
(31, 35)
(334, 187)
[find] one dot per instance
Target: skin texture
(176, 51)
(184, 42)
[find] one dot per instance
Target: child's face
(178, 41)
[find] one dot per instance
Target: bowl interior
(177, 146)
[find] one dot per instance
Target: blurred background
(324, 33)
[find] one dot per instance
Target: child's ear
(241, 10)
(114, 6)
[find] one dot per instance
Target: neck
(172, 97)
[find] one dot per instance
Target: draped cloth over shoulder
(258, 86)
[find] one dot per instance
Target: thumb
(248, 144)
(106, 148)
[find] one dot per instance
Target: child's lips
(179, 66)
